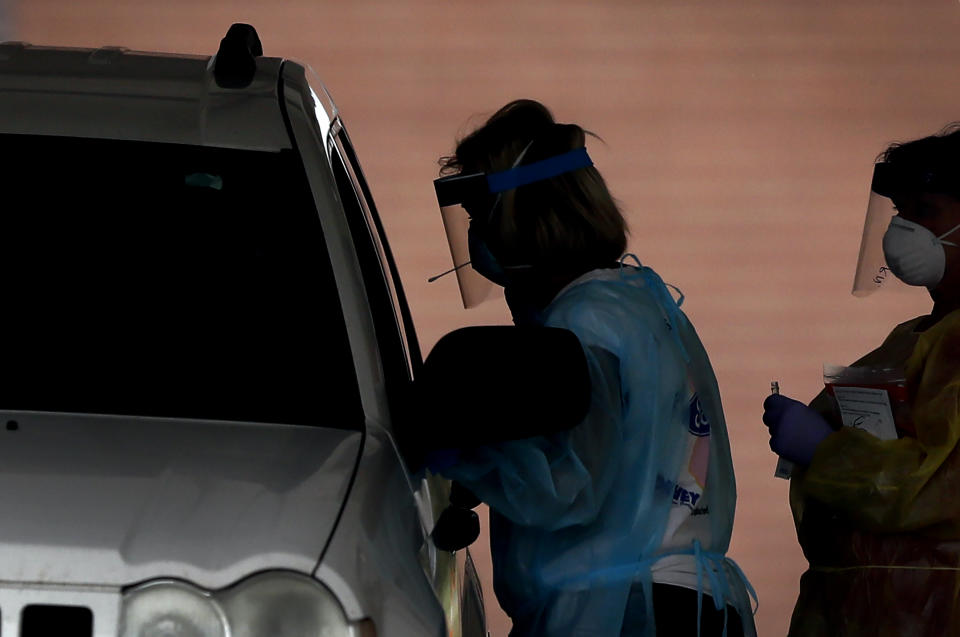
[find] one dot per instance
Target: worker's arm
(556, 480)
(904, 484)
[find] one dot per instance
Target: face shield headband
(890, 179)
(460, 189)
(477, 193)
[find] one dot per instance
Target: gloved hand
(795, 429)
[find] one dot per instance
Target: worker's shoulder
(943, 338)
(605, 311)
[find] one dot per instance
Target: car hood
(116, 500)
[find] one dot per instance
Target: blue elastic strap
(539, 170)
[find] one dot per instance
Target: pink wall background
(739, 137)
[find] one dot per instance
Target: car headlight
(274, 604)
(171, 609)
(284, 605)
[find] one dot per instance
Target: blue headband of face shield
(539, 170)
(457, 189)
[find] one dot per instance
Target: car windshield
(167, 280)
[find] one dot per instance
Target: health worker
(620, 525)
(879, 520)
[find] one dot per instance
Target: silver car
(206, 356)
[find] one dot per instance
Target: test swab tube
(784, 467)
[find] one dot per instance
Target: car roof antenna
(236, 62)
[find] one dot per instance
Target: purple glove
(795, 429)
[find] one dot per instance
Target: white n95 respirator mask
(914, 254)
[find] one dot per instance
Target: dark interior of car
(167, 280)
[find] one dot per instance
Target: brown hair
(937, 154)
(569, 223)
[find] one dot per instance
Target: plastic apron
(578, 517)
(879, 521)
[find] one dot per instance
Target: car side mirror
(482, 385)
(458, 526)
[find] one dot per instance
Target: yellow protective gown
(879, 521)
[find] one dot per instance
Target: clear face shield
(873, 271)
(472, 199)
(452, 193)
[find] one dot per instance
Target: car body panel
(114, 500)
(382, 531)
(111, 93)
(104, 603)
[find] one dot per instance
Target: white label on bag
(867, 409)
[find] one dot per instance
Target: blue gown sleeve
(557, 480)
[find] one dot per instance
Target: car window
(395, 333)
(168, 280)
(401, 310)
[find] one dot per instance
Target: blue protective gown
(576, 518)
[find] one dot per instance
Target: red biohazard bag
(874, 399)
